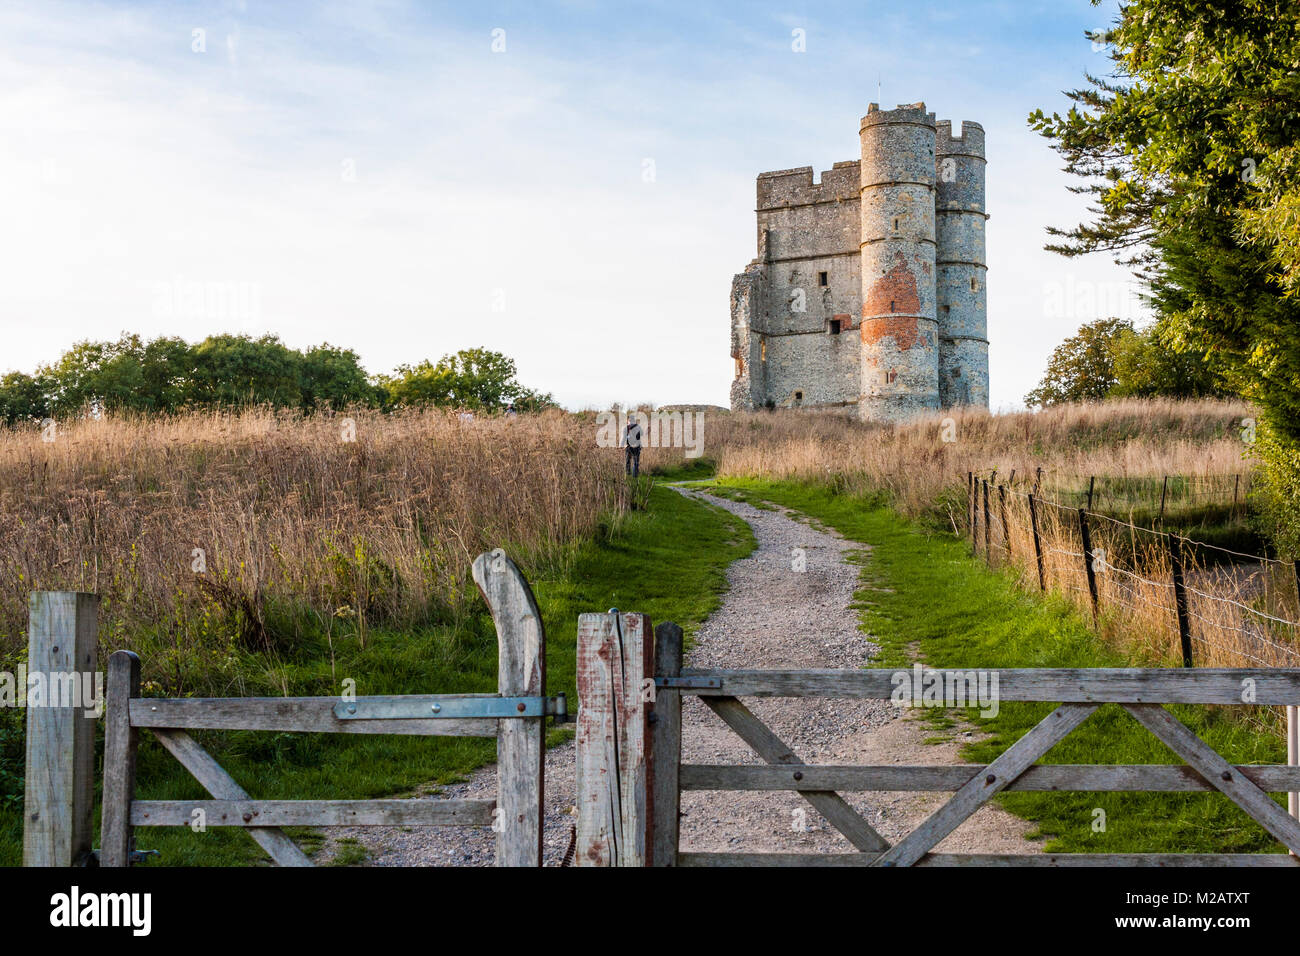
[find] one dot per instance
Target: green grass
(668, 561)
(924, 594)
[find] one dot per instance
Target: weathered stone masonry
(890, 247)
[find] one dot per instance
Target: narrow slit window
(897, 221)
(891, 305)
(972, 283)
(821, 278)
(762, 350)
(835, 326)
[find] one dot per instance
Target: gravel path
(773, 616)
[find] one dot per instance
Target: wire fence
(1161, 495)
(1224, 607)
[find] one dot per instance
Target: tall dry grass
(918, 461)
(1239, 608)
(285, 513)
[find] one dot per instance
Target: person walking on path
(632, 439)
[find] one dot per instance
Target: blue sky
(377, 176)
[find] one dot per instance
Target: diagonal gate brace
(1179, 738)
(1014, 761)
(771, 748)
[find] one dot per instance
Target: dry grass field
(196, 526)
(200, 526)
(919, 461)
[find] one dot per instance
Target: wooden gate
(516, 716)
(630, 774)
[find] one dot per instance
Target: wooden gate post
(60, 783)
(121, 741)
(666, 746)
(615, 789)
(521, 742)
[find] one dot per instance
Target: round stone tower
(960, 265)
(900, 336)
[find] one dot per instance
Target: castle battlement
(969, 142)
(869, 288)
(795, 187)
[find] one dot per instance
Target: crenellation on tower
(869, 285)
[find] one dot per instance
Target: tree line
(168, 374)
(1111, 358)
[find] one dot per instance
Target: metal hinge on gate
(416, 707)
(689, 683)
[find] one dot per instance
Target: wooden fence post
(666, 746)
(120, 746)
(615, 788)
(1092, 480)
(1180, 599)
(1086, 535)
(62, 660)
(970, 507)
(521, 742)
(1006, 528)
(988, 550)
(1038, 543)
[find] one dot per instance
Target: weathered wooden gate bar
(317, 813)
(1207, 685)
(290, 715)
(1094, 778)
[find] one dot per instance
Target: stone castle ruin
(869, 287)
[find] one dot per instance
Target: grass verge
(924, 594)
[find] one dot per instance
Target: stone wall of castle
(862, 293)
